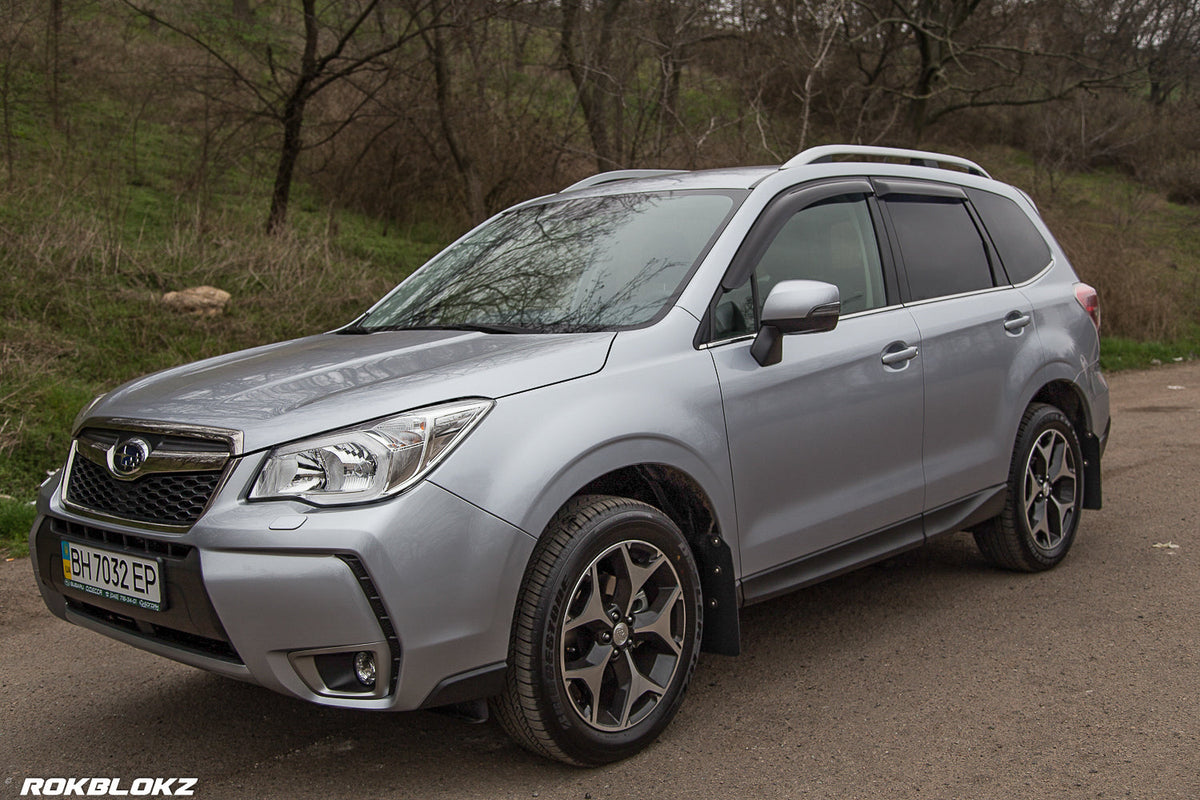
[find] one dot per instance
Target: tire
(1045, 495)
(583, 686)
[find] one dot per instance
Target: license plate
(115, 576)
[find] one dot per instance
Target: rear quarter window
(1022, 249)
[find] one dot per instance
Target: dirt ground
(927, 676)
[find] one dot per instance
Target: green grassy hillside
(91, 237)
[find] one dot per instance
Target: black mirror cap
(767, 348)
(822, 318)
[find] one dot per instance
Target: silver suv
(546, 471)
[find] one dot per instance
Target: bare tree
(468, 104)
(1169, 42)
(438, 46)
(19, 17)
(938, 57)
(324, 48)
(587, 42)
(54, 26)
(626, 62)
(792, 44)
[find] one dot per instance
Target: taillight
(1090, 301)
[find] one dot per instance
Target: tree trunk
(289, 154)
(608, 87)
(670, 70)
(918, 105)
(241, 11)
(6, 103)
(587, 73)
(463, 163)
(53, 32)
(293, 123)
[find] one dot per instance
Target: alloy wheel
(1050, 493)
(622, 635)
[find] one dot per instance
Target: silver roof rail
(826, 153)
(618, 175)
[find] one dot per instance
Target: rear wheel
(606, 634)
(1045, 495)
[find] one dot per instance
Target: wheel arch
(678, 495)
(1068, 397)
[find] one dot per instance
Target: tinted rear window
(943, 253)
(1022, 249)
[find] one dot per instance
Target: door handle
(893, 357)
(1015, 321)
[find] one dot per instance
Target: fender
(535, 450)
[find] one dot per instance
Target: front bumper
(259, 591)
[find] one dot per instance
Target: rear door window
(942, 249)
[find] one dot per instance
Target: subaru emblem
(126, 458)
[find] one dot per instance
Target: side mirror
(794, 307)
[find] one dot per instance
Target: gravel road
(927, 676)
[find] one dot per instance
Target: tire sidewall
(578, 739)
(1042, 419)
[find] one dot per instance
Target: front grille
(169, 498)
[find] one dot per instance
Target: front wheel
(1045, 495)
(606, 634)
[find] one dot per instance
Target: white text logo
(107, 787)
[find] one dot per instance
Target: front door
(825, 445)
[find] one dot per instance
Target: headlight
(362, 464)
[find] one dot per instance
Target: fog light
(364, 667)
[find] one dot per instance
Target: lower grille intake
(182, 640)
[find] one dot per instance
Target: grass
(1117, 353)
(16, 518)
(88, 246)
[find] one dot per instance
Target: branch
(357, 63)
(211, 50)
(974, 102)
(345, 38)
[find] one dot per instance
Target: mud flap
(1092, 496)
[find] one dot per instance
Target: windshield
(594, 263)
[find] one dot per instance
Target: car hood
(286, 391)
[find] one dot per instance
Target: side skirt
(875, 546)
(833, 561)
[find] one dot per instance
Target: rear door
(978, 344)
(825, 445)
